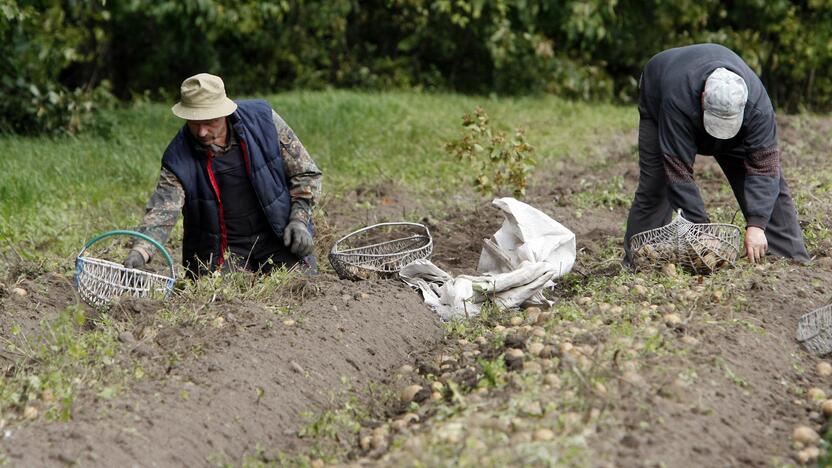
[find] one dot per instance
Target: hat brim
(224, 108)
(720, 127)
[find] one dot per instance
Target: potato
(514, 354)
(672, 320)
(536, 348)
(826, 407)
(543, 435)
(824, 369)
(808, 455)
(815, 394)
(805, 435)
(409, 392)
(30, 412)
(552, 380)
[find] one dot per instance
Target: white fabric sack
(524, 256)
(527, 234)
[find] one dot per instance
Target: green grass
(55, 193)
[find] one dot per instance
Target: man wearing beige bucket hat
(243, 181)
(704, 99)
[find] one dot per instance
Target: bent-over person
(704, 99)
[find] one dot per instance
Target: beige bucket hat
(203, 98)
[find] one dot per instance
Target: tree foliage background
(59, 59)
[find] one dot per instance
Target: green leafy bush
(583, 49)
(52, 108)
(45, 47)
(499, 163)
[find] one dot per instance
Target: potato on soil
(536, 348)
(30, 412)
(543, 435)
(808, 455)
(689, 340)
(671, 320)
(815, 394)
(409, 393)
(365, 443)
(826, 407)
(824, 369)
(532, 367)
(514, 353)
(805, 435)
(552, 380)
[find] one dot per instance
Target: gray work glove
(134, 259)
(296, 236)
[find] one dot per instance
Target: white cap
(723, 103)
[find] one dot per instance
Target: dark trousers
(651, 207)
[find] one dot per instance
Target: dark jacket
(205, 235)
(670, 94)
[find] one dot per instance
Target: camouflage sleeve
(304, 175)
(161, 213)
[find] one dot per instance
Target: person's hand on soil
(755, 244)
(298, 239)
(134, 259)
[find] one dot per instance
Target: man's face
(209, 132)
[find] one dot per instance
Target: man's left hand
(756, 244)
(298, 238)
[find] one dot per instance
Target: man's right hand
(756, 244)
(134, 259)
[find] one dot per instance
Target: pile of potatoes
(700, 260)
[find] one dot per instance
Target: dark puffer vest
(205, 238)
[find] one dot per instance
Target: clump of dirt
(31, 300)
(246, 379)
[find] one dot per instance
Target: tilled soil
(735, 396)
(247, 383)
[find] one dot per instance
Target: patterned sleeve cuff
(301, 210)
(143, 248)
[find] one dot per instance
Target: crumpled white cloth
(523, 257)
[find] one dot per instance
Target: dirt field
(615, 381)
(237, 385)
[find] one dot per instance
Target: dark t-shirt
(670, 94)
(249, 234)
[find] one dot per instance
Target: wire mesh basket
(381, 249)
(702, 248)
(100, 281)
(814, 330)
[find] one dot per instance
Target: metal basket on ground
(814, 330)
(381, 249)
(702, 248)
(100, 281)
